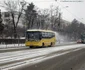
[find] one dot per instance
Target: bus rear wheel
(43, 45)
(30, 46)
(51, 44)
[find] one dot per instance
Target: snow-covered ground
(4, 46)
(23, 45)
(35, 55)
(11, 45)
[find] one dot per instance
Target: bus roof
(41, 30)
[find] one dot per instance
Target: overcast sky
(75, 9)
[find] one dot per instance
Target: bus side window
(40, 37)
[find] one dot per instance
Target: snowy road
(9, 60)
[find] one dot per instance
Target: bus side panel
(33, 43)
(45, 41)
(48, 41)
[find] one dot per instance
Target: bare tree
(30, 15)
(43, 16)
(1, 24)
(15, 8)
(55, 16)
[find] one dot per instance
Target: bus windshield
(33, 36)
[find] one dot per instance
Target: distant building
(6, 16)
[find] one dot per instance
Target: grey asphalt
(71, 61)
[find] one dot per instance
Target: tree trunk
(15, 33)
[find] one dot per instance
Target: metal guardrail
(11, 41)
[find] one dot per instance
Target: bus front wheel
(30, 46)
(43, 45)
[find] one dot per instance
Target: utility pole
(59, 23)
(0, 17)
(59, 19)
(51, 16)
(1, 25)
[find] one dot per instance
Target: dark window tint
(33, 35)
(47, 35)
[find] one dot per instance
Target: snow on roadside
(11, 45)
(21, 45)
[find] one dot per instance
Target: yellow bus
(40, 38)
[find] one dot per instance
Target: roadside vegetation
(20, 16)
